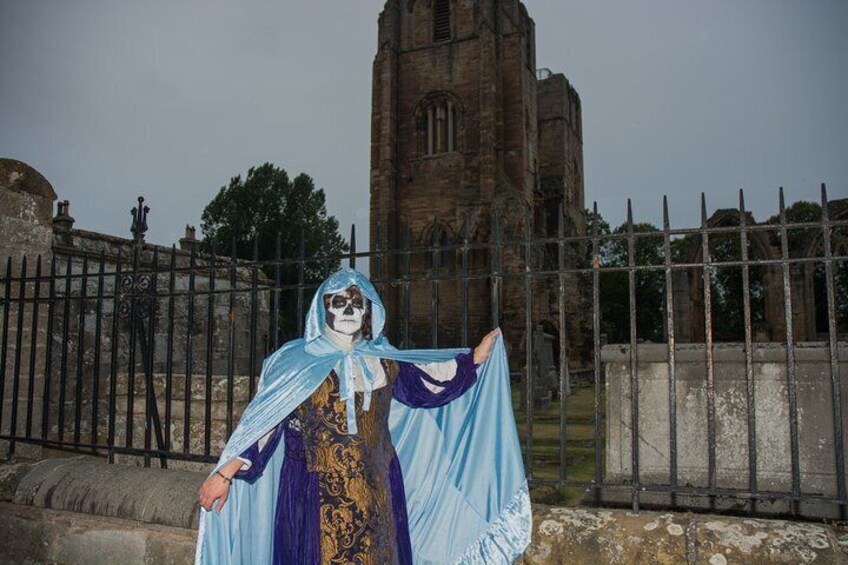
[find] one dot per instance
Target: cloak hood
(337, 282)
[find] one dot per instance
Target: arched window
(438, 125)
(440, 242)
(441, 20)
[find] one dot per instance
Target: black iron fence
(150, 353)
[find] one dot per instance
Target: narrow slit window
(441, 130)
(441, 20)
(431, 130)
(452, 129)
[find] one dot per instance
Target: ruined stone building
(464, 126)
(95, 304)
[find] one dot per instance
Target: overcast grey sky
(170, 98)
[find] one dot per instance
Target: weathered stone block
(771, 411)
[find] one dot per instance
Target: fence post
(435, 242)
(833, 350)
(83, 295)
(791, 384)
(33, 345)
(672, 353)
(464, 279)
(634, 360)
(169, 372)
(16, 375)
(564, 376)
(528, 347)
(113, 366)
(4, 343)
(254, 316)
(596, 347)
(189, 360)
(352, 246)
(750, 390)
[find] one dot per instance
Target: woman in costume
(355, 452)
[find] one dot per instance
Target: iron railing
(83, 348)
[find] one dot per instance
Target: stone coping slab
(156, 496)
(762, 352)
(596, 535)
(70, 495)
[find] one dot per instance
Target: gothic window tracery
(444, 258)
(438, 123)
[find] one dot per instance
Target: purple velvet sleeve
(409, 385)
(259, 458)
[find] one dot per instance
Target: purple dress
(341, 497)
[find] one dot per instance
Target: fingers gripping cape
(466, 492)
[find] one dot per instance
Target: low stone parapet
(153, 496)
(771, 434)
(592, 535)
(29, 534)
(84, 511)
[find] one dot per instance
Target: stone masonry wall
(76, 511)
(771, 410)
(87, 352)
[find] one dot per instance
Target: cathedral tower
(461, 126)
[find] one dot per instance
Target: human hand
(217, 487)
(213, 489)
(482, 351)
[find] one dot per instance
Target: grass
(579, 444)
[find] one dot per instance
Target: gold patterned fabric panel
(356, 518)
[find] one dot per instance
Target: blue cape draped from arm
(466, 493)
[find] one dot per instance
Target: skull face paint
(345, 310)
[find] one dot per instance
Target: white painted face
(345, 311)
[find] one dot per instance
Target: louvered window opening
(438, 127)
(441, 21)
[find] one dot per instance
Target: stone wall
(771, 408)
(809, 296)
(78, 511)
(223, 416)
(87, 357)
(26, 206)
(72, 346)
(169, 317)
(26, 230)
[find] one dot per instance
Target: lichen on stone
(734, 535)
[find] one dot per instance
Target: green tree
(267, 205)
(726, 280)
(727, 288)
(615, 285)
(798, 213)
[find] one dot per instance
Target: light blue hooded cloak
(466, 492)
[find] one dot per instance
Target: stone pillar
(63, 222)
(681, 288)
(804, 327)
(26, 230)
(26, 205)
(190, 241)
